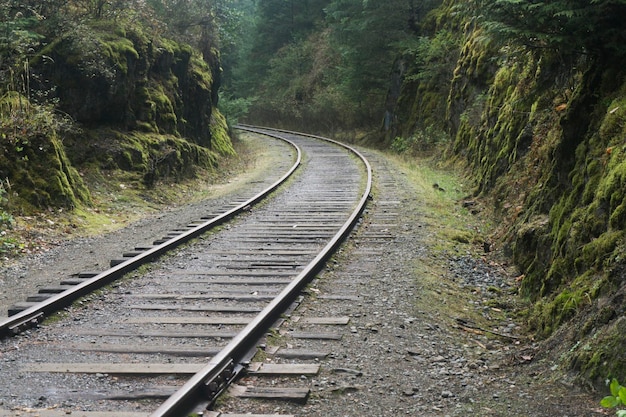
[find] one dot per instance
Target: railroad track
(168, 340)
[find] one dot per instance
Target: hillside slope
(543, 134)
(101, 96)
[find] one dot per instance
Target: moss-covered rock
(34, 168)
(149, 156)
(145, 104)
(104, 74)
(601, 355)
(552, 152)
(543, 134)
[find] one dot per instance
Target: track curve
(213, 298)
(31, 316)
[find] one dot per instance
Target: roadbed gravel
(415, 346)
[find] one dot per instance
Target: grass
(450, 230)
(440, 190)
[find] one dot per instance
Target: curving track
(166, 341)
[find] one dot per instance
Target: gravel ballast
(432, 327)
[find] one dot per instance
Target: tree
(569, 26)
(278, 23)
(18, 38)
(366, 34)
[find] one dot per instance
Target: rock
(355, 372)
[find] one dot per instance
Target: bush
(234, 108)
(423, 140)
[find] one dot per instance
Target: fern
(569, 26)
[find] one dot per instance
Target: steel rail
(32, 316)
(209, 382)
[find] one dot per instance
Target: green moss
(564, 306)
(600, 250)
(119, 50)
(220, 140)
(146, 127)
(148, 91)
(33, 158)
(602, 357)
(174, 48)
(555, 310)
(618, 216)
(158, 109)
(201, 73)
(162, 156)
(613, 124)
(543, 135)
(462, 237)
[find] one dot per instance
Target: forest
(529, 96)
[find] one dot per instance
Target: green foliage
(271, 26)
(104, 61)
(324, 63)
(8, 243)
(32, 156)
(234, 108)
(107, 9)
(18, 40)
(616, 399)
(569, 26)
(426, 68)
(365, 35)
(21, 122)
(280, 22)
(420, 141)
(435, 57)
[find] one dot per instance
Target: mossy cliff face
(545, 140)
(35, 171)
(107, 75)
(544, 137)
(421, 77)
(137, 103)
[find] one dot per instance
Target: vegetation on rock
(536, 111)
(85, 88)
(530, 96)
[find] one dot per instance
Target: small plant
(234, 108)
(616, 399)
(422, 140)
(401, 145)
(6, 219)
